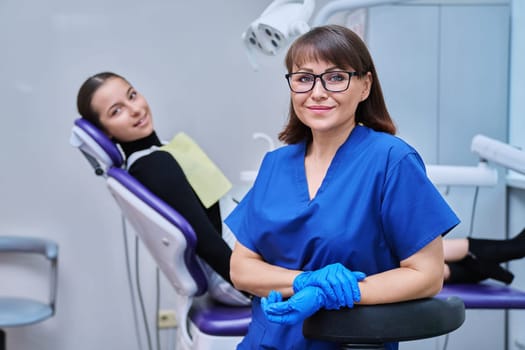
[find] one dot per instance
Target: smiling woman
(110, 102)
(333, 217)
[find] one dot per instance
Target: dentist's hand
(339, 284)
(294, 310)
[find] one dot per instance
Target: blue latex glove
(339, 284)
(273, 297)
(294, 310)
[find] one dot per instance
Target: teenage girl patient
(111, 103)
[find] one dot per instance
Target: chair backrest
(169, 238)
(167, 235)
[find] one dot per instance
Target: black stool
(371, 326)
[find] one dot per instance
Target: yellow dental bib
(206, 179)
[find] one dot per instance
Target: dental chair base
(372, 326)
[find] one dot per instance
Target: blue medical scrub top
(374, 208)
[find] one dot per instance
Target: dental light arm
(333, 7)
(499, 152)
(283, 20)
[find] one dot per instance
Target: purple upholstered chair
(204, 324)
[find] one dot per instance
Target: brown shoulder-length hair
(86, 92)
(343, 48)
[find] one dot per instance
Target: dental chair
(17, 311)
(203, 323)
(485, 295)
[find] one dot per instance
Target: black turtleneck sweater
(162, 175)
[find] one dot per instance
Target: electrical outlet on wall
(166, 319)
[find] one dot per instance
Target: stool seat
(22, 311)
(385, 323)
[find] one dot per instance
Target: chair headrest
(91, 140)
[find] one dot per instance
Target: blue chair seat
(20, 312)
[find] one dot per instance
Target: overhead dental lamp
(283, 20)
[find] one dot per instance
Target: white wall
(188, 60)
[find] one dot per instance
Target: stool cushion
(385, 323)
(20, 312)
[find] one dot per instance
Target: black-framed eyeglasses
(334, 81)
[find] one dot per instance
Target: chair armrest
(11, 244)
(47, 248)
